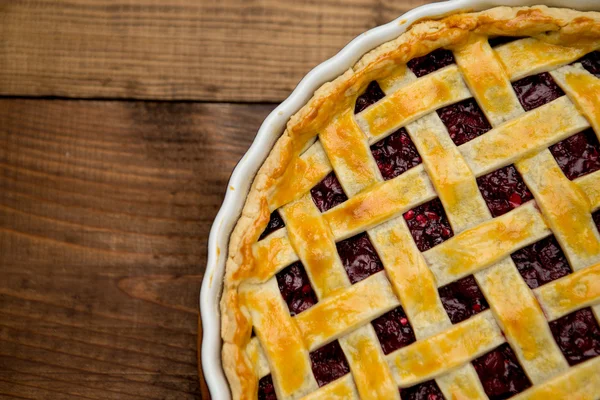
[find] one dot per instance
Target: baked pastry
(427, 225)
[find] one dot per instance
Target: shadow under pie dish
(427, 225)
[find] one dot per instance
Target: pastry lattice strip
(363, 183)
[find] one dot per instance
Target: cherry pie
(427, 225)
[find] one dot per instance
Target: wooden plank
(105, 209)
(215, 50)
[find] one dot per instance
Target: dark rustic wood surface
(106, 204)
(213, 50)
(105, 209)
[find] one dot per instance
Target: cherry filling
(328, 193)
(578, 155)
(462, 299)
(428, 224)
(393, 330)
(500, 373)
(329, 363)
(503, 190)
(537, 90)
(464, 121)
(266, 390)
(591, 62)
(423, 391)
(577, 336)
(274, 223)
(371, 96)
(541, 262)
(359, 257)
(433, 61)
(296, 289)
(395, 154)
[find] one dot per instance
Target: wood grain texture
(105, 209)
(105, 206)
(210, 50)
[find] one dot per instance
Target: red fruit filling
(428, 224)
(503, 190)
(329, 363)
(591, 62)
(393, 330)
(500, 373)
(328, 193)
(423, 391)
(266, 390)
(395, 154)
(541, 262)
(359, 257)
(296, 289)
(578, 155)
(433, 61)
(577, 336)
(464, 121)
(371, 96)
(274, 223)
(537, 90)
(463, 299)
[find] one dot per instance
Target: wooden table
(120, 123)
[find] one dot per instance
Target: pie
(427, 225)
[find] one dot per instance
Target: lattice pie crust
(326, 135)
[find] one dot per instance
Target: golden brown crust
(547, 24)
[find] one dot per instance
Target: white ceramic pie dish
(269, 132)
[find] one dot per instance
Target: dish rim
(268, 133)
